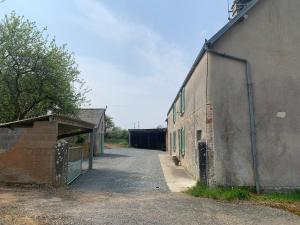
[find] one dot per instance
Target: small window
(199, 135)
(182, 101)
(182, 141)
(171, 142)
(174, 113)
(179, 104)
(179, 140)
(174, 141)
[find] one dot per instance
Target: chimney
(238, 5)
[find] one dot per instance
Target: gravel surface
(124, 171)
(122, 191)
(65, 207)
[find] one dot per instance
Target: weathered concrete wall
(29, 155)
(228, 97)
(193, 119)
(99, 137)
(268, 40)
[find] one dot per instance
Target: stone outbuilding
(97, 117)
(235, 120)
(34, 150)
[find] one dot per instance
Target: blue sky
(133, 54)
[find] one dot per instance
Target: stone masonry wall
(192, 121)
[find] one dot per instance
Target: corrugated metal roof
(91, 115)
(212, 41)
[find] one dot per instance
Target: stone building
(97, 117)
(34, 150)
(236, 120)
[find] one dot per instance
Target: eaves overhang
(60, 119)
(209, 43)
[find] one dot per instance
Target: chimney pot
(238, 5)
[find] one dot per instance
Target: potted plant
(175, 160)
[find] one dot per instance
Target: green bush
(117, 133)
(80, 140)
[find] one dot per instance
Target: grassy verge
(220, 193)
(114, 143)
(288, 201)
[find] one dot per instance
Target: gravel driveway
(124, 171)
(122, 191)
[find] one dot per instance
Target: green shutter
(183, 141)
(171, 142)
(183, 100)
(174, 141)
(180, 103)
(179, 140)
(174, 113)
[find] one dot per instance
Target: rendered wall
(99, 137)
(269, 39)
(27, 154)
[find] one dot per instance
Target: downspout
(251, 110)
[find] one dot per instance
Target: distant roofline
(153, 129)
(92, 108)
(102, 109)
(212, 41)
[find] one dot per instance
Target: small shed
(97, 117)
(148, 138)
(34, 150)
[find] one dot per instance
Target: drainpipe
(251, 110)
(91, 148)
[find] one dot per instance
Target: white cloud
(136, 96)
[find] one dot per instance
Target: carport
(148, 138)
(34, 150)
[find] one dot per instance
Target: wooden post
(129, 139)
(91, 149)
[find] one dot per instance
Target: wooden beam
(74, 134)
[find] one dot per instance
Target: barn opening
(148, 138)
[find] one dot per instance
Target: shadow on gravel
(112, 156)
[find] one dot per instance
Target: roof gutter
(239, 17)
(249, 87)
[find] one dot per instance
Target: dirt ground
(46, 206)
(127, 187)
(41, 206)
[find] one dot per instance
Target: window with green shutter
(183, 141)
(179, 140)
(174, 141)
(174, 113)
(171, 142)
(182, 102)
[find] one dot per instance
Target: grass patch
(115, 141)
(279, 197)
(289, 201)
(220, 193)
